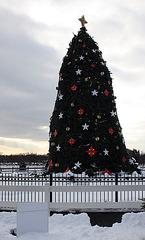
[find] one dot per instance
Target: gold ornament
(51, 119)
(83, 21)
(67, 128)
(86, 79)
(120, 129)
(117, 147)
(57, 88)
(72, 104)
(102, 73)
(113, 101)
(69, 63)
(53, 144)
(56, 164)
(98, 116)
(115, 97)
(97, 138)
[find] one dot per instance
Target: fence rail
(74, 197)
(17, 169)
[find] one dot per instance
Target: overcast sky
(34, 37)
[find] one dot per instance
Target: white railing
(74, 197)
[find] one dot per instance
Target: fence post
(116, 183)
(47, 192)
(50, 185)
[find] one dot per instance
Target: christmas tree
(85, 133)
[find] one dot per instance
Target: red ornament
(91, 151)
(80, 112)
(60, 75)
(83, 45)
(71, 141)
(106, 171)
(66, 170)
(55, 133)
(106, 92)
(111, 131)
(93, 65)
(73, 51)
(50, 164)
(74, 87)
(124, 159)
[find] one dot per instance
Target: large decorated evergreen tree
(85, 133)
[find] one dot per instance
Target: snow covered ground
(73, 227)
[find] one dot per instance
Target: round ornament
(51, 119)
(97, 138)
(72, 104)
(67, 128)
(113, 101)
(98, 116)
(120, 129)
(102, 73)
(57, 88)
(80, 40)
(53, 144)
(117, 147)
(86, 79)
(115, 97)
(69, 63)
(56, 164)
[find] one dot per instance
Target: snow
(72, 227)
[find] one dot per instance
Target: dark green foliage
(28, 158)
(85, 133)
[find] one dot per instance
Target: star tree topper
(83, 21)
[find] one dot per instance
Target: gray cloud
(28, 76)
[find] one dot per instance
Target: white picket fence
(64, 198)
